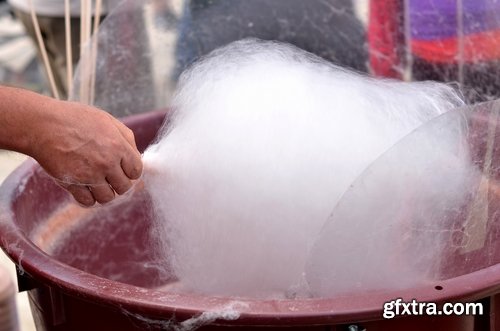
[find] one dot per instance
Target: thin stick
(88, 32)
(82, 25)
(69, 52)
(82, 39)
(43, 50)
(408, 73)
(89, 20)
(97, 21)
(86, 17)
(460, 41)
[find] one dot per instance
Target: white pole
(69, 52)
(97, 21)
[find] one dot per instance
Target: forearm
(22, 115)
(86, 150)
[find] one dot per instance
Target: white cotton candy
(264, 140)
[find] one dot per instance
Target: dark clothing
(328, 28)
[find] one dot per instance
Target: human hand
(88, 152)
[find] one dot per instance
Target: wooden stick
(82, 40)
(88, 32)
(408, 72)
(460, 39)
(97, 21)
(43, 50)
(82, 25)
(88, 24)
(69, 51)
(86, 20)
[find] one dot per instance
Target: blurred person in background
(327, 28)
(449, 40)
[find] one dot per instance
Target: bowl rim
(161, 305)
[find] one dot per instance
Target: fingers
(132, 165)
(102, 193)
(89, 195)
(132, 162)
(81, 194)
(119, 181)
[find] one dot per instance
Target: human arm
(86, 150)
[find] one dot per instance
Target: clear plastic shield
(143, 46)
(426, 210)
